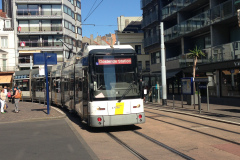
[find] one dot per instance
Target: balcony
(222, 11)
(39, 1)
(35, 44)
(144, 3)
(41, 30)
(36, 14)
(216, 14)
(151, 40)
(149, 19)
(221, 53)
(175, 6)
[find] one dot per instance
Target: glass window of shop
(230, 83)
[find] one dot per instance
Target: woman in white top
(3, 98)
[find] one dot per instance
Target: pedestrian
(3, 98)
(14, 93)
(16, 99)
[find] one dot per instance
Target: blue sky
(105, 15)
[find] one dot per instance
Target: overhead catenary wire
(92, 7)
(92, 11)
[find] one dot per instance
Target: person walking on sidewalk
(16, 97)
(3, 98)
(14, 91)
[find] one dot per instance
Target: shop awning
(5, 79)
(170, 74)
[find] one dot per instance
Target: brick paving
(218, 112)
(29, 111)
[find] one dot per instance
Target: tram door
(85, 93)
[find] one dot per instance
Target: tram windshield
(113, 76)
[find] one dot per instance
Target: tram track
(207, 134)
(195, 123)
(140, 156)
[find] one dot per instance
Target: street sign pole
(45, 59)
(47, 88)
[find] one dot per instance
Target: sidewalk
(29, 111)
(224, 113)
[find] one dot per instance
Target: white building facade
(7, 47)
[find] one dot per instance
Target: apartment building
(211, 25)
(45, 26)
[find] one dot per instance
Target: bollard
(200, 107)
(182, 100)
(173, 103)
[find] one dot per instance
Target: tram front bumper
(116, 120)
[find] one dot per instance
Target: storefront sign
(237, 63)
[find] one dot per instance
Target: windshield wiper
(127, 91)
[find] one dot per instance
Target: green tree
(195, 54)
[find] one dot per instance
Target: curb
(40, 119)
(195, 115)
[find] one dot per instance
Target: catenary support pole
(163, 66)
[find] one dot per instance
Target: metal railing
(216, 14)
(175, 6)
(220, 53)
(36, 12)
(44, 43)
(42, 29)
(144, 3)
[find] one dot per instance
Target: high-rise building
(211, 25)
(46, 26)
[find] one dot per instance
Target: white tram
(102, 85)
(109, 86)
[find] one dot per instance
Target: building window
(79, 4)
(230, 86)
(139, 65)
(79, 31)
(138, 49)
(4, 41)
(7, 24)
(147, 63)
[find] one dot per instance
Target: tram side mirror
(93, 85)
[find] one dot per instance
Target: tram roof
(99, 49)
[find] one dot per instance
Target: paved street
(37, 140)
(32, 134)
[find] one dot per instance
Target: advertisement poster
(187, 85)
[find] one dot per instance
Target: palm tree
(195, 54)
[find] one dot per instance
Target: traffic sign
(39, 58)
(22, 44)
